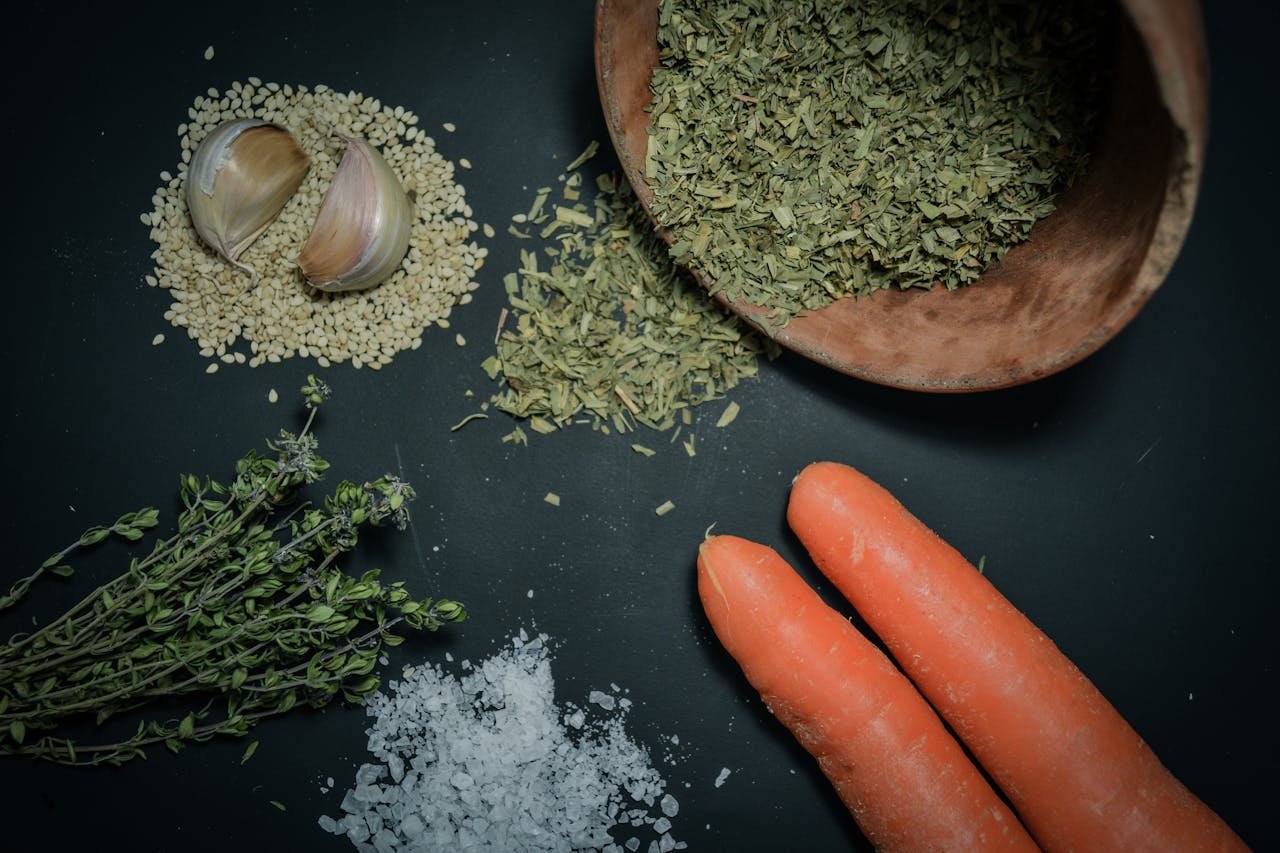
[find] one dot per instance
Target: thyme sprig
(241, 614)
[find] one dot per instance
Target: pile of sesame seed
(237, 321)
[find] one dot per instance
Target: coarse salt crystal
(493, 766)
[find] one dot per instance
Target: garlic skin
(240, 178)
(361, 233)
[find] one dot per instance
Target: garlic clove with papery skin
(361, 233)
(241, 176)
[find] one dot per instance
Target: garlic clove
(361, 233)
(241, 176)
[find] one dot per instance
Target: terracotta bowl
(1084, 272)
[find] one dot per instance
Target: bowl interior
(1082, 274)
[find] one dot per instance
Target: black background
(1127, 505)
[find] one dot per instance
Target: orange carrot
(904, 778)
(1077, 774)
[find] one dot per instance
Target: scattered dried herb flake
(607, 326)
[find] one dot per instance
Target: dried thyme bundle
(804, 151)
(608, 327)
(241, 613)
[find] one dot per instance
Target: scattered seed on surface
(157, 340)
(488, 230)
(449, 126)
(272, 396)
(460, 340)
(665, 508)
(464, 162)
(208, 52)
(213, 368)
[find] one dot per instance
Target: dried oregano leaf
(608, 328)
(805, 150)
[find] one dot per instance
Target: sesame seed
(272, 396)
(278, 317)
(213, 368)
(449, 126)
(208, 52)
(157, 340)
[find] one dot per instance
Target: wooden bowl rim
(1172, 33)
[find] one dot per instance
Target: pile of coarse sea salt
(486, 761)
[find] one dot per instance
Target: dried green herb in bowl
(800, 152)
(1081, 275)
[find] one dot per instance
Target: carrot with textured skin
(1078, 775)
(906, 781)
